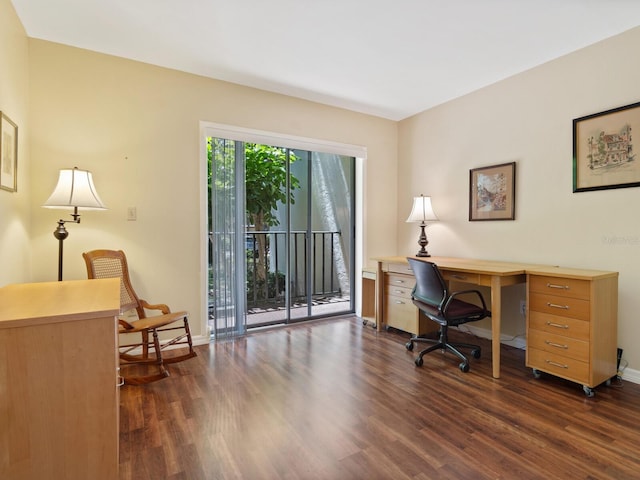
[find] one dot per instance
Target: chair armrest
(125, 325)
(160, 306)
(463, 292)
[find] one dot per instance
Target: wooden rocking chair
(112, 263)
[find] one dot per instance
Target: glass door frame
(210, 129)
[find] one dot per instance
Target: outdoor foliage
(265, 189)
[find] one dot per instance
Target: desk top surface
(53, 302)
(500, 268)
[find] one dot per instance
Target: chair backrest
(113, 264)
(431, 287)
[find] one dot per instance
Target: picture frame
(492, 192)
(603, 156)
(8, 154)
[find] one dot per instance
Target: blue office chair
(431, 296)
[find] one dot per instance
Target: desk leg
(496, 304)
(379, 296)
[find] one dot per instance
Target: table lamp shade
(75, 189)
(422, 211)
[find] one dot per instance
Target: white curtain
(227, 298)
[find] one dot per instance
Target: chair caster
(464, 367)
(419, 362)
(409, 346)
(536, 373)
(588, 391)
(476, 353)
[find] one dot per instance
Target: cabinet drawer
(396, 280)
(558, 305)
(401, 268)
(400, 305)
(400, 313)
(558, 344)
(401, 292)
(566, 326)
(562, 287)
(451, 276)
(567, 368)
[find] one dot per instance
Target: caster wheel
(464, 367)
(476, 353)
(409, 346)
(419, 362)
(588, 391)
(536, 373)
(608, 383)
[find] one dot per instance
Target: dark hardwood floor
(334, 399)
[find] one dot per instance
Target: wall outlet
(132, 214)
(523, 307)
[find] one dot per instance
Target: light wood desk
(571, 313)
(478, 272)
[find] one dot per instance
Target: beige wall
(136, 127)
(528, 119)
(15, 254)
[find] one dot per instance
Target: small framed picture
(8, 154)
(492, 192)
(603, 153)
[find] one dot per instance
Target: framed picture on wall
(603, 153)
(8, 154)
(492, 192)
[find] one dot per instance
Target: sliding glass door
(281, 235)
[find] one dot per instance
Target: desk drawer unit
(398, 310)
(572, 325)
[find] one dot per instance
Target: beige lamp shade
(75, 189)
(422, 211)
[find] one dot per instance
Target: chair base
(156, 361)
(444, 345)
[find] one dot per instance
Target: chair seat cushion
(155, 321)
(458, 312)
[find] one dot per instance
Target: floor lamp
(75, 190)
(422, 212)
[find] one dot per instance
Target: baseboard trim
(518, 341)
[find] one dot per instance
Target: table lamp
(75, 189)
(422, 212)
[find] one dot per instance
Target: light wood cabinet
(572, 324)
(398, 308)
(59, 397)
(368, 296)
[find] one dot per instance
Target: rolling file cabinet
(399, 311)
(572, 324)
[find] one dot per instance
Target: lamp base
(423, 242)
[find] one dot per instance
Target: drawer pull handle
(557, 325)
(398, 302)
(397, 291)
(555, 364)
(399, 281)
(120, 381)
(562, 287)
(557, 345)
(555, 305)
(459, 277)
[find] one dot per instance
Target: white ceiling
(389, 58)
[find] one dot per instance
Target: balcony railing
(312, 266)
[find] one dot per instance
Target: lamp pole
(60, 233)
